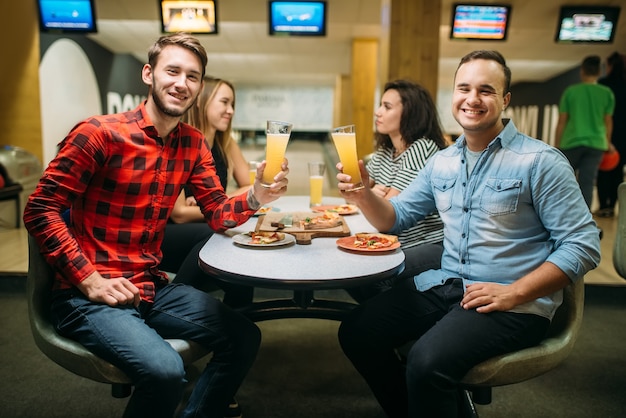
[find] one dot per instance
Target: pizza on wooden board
(261, 238)
(373, 241)
(323, 221)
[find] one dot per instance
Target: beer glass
(344, 138)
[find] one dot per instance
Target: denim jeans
(447, 341)
(133, 340)
(585, 162)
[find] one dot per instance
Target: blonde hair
(197, 116)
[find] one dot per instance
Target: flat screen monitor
(591, 24)
(482, 22)
(297, 18)
(67, 16)
(198, 17)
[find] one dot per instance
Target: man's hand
(113, 292)
(190, 201)
(264, 194)
(345, 185)
(489, 297)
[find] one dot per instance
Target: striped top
(398, 172)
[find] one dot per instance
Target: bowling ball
(610, 160)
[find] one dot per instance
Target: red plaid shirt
(121, 181)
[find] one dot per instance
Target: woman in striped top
(408, 132)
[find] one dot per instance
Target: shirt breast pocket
(442, 190)
(500, 196)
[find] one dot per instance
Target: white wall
(307, 108)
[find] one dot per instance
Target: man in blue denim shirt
(516, 232)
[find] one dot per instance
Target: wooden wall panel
(364, 80)
(414, 42)
(20, 121)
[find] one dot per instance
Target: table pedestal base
(302, 305)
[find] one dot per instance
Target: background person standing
(585, 124)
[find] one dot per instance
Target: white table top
(319, 265)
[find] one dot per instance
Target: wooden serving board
(303, 236)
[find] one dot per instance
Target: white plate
(246, 240)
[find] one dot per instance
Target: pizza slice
(323, 221)
(343, 209)
(374, 241)
(264, 238)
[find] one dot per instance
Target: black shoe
(234, 410)
(605, 213)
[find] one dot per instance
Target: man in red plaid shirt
(120, 175)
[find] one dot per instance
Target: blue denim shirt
(520, 207)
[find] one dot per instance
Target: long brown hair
(197, 115)
(419, 117)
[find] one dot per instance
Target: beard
(169, 111)
(174, 112)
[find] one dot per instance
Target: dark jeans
(133, 340)
(585, 162)
(418, 259)
(607, 183)
(449, 341)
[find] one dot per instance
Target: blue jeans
(447, 341)
(133, 340)
(585, 162)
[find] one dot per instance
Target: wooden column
(364, 82)
(20, 115)
(413, 36)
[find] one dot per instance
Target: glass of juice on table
(344, 138)
(316, 182)
(252, 165)
(277, 135)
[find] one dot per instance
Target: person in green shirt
(585, 124)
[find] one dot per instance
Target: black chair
(68, 353)
(528, 363)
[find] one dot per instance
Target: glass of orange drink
(277, 135)
(316, 182)
(344, 138)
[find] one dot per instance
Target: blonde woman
(187, 231)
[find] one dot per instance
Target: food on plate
(374, 241)
(263, 210)
(262, 238)
(323, 221)
(340, 209)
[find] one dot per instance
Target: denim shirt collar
(505, 138)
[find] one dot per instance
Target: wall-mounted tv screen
(199, 17)
(67, 16)
(587, 24)
(481, 22)
(297, 18)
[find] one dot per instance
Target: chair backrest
(63, 351)
(525, 364)
(619, 248)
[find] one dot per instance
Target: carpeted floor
(301, 372)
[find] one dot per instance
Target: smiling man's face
(478, 99)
